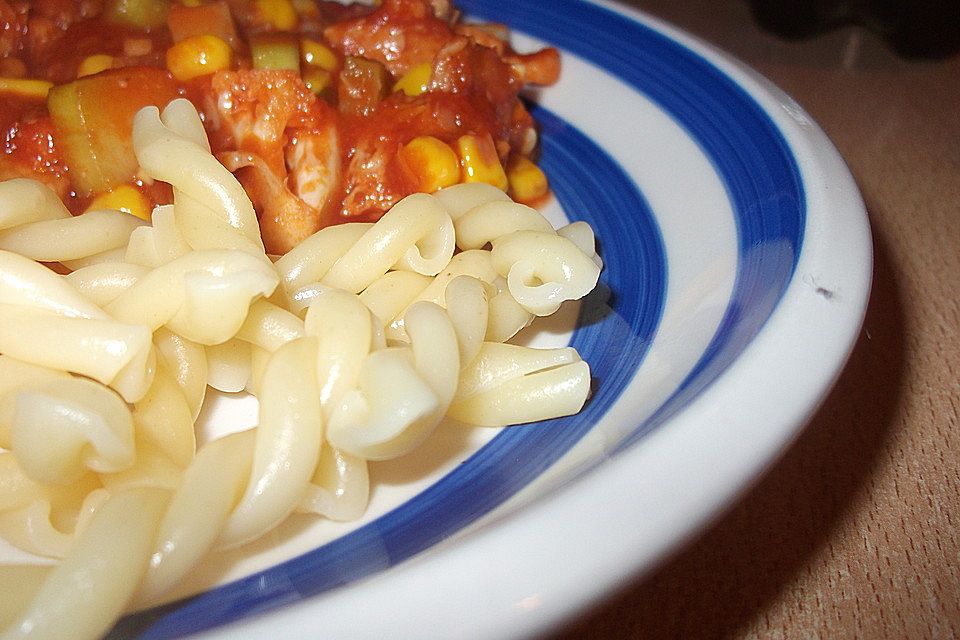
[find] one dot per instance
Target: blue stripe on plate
(746, 148)
(764, 187)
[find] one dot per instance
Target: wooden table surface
(854, 532)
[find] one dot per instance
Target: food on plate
(357, 343)
(141, 268)
(326, 113)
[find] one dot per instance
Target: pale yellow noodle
(114, 353)
(164, 418)
(24, 282)
(187, 362)
(63, 428)
(23, 201)
(510, 384)
(89, 589)
(203, 295)
(102, 283)
(71, 238)
(211, 485)
(543, 270)
(488, 221)
(229, 365)
(417, 233)
(340, 487)
(158, 243)
(287, 447)
(269, 326)
(211, 208)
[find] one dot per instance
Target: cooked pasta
(358, 344)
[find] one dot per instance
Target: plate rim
(436, 576)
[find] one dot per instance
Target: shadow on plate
(717, 585)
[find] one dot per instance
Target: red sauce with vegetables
(325, 112)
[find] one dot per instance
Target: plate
(737, 269)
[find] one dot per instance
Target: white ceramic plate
(737, 269)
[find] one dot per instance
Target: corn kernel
(26, 87)
(279, 13)
(317, 54)
(527, 180)
(430, 163)
(94, 64)
(316, 79)
(198, 56)
(306, 8)
(416, 80)
(124, 198)
(479, 161)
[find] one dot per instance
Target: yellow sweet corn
(479, 161)
(306, 8)
(26, 87)
(279, 13)
(94, 64)
(416, 80)
(527, 180)
(124, 198)
(317, 54)
(198, 56)
(316, 79)
(429, 162)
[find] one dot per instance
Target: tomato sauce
(316, 140)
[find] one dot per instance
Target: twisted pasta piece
(73, 238)
(187, 362)
(401, 392)
(64, 427)
(211, 485)
(25, 201)
(158, 243)
(415, 235)
(340, 486)
(117, 354)
(42, 518)
(287, 446)
(203, 295)
(510, 384)
(533, 268)
(92, 585)
(24, 282)
(164, 418)
(34, 223)
(211, 209)
(101, 283)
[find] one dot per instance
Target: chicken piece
(399, 34)
(288, 148)
(373, 180)
(13, 27)
(29, 152)
(477, 72)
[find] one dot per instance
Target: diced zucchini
(275, 51)
(145, 14)
(94, 120)
(363, 84)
